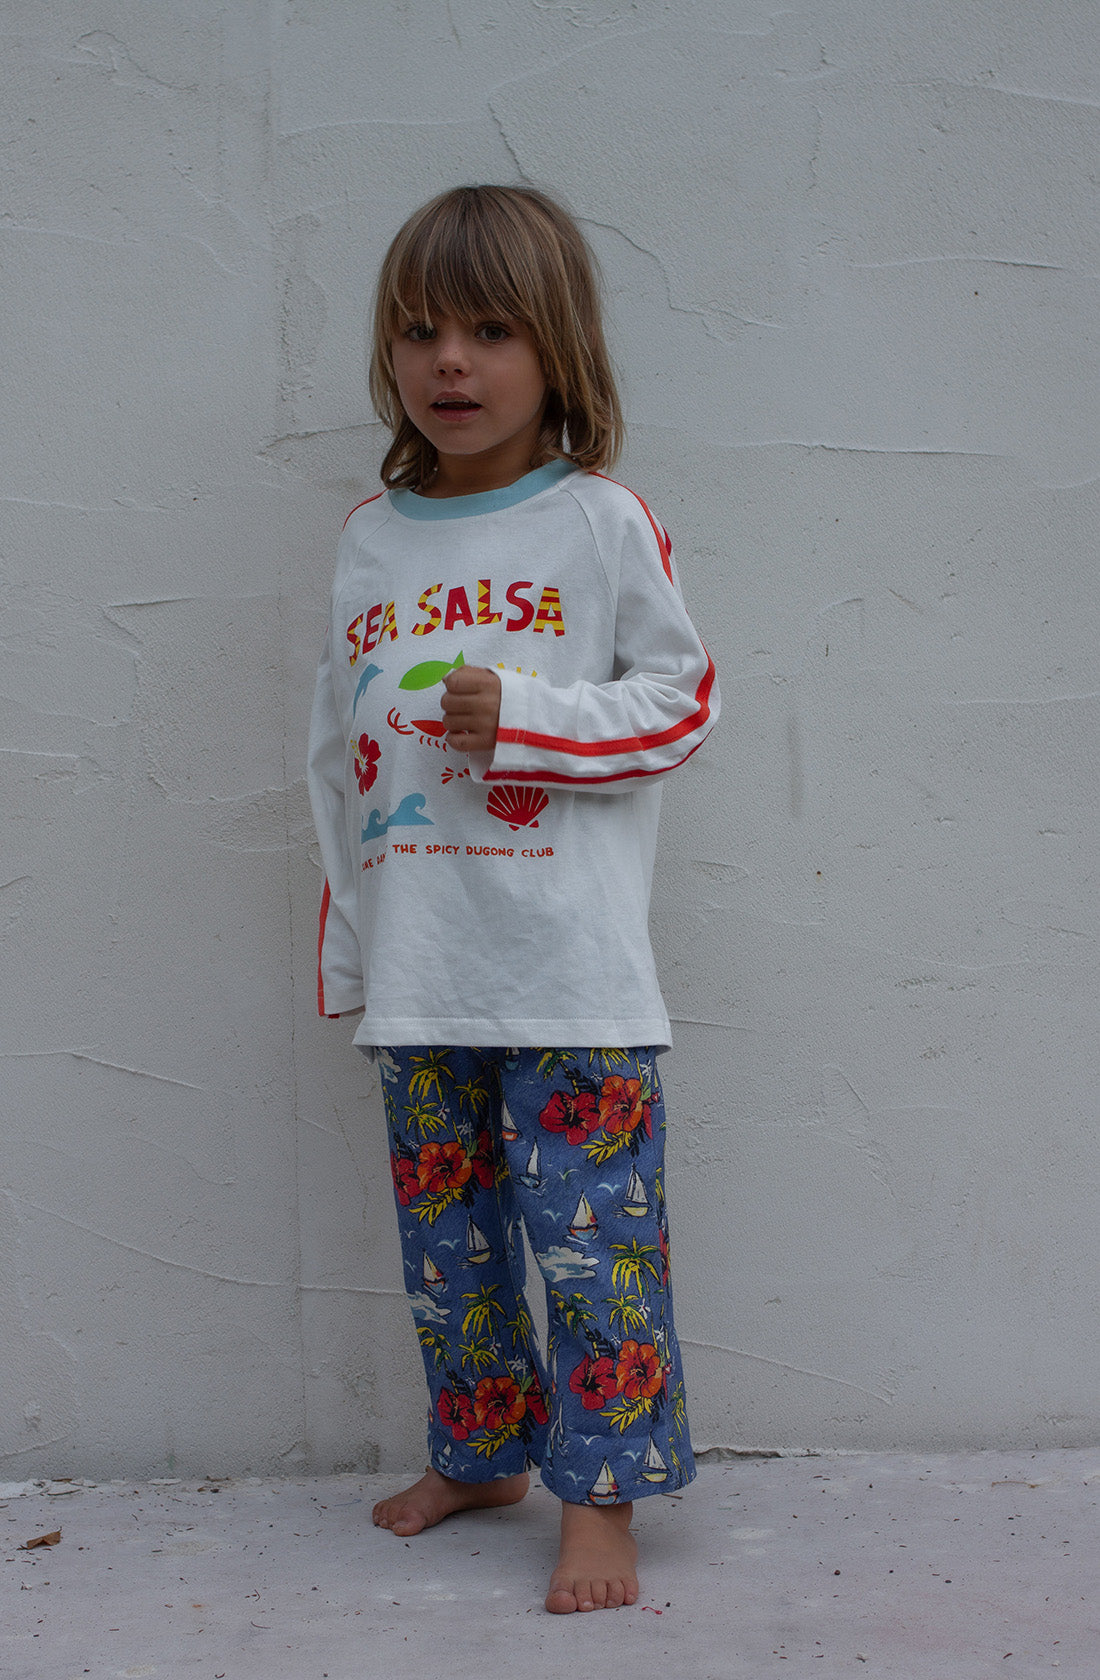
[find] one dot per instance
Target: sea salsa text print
(366, 631)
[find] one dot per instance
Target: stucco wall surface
(852, 267)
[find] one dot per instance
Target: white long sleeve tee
(501, 899)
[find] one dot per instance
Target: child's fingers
(470, 694)
(471, 707)
(471, 679)
(458, 706)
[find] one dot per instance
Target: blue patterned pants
(572, 1141)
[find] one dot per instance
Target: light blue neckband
(414, 506)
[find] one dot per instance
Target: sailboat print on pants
(434, 1281)
(477, 1245)
(605, 1489)
(636, 1202)
(532, 1172)
(654, 1468)
(584, 1223)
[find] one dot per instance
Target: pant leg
(584, 1137)
(463, 1260)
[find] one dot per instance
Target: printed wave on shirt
(409, 814)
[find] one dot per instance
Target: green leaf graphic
(432, 671)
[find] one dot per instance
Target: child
(508, 673)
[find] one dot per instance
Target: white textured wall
(852, 262)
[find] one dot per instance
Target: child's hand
(471, 708)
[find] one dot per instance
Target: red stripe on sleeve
(664, 541)
(630, 743)
(542, 777)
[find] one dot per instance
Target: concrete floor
(962, 1567)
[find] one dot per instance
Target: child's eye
(493, 333)
(418, 332)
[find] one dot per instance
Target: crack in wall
(884, 1396)
(151, 1254)
(99, 1061)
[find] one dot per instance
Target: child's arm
(339, 963)
(609, 736)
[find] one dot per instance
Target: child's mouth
(455, 405)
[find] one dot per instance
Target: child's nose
(451, 352)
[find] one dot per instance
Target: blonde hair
(508, 252)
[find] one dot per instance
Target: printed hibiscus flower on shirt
(367, 754)
(572, 1112)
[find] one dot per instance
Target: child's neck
(458, 475)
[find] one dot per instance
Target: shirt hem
(377, 1032)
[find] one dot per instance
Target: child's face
(476, 391)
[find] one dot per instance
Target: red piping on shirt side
(664, 541)
(355, 509)
(632, 743)
(325, 898)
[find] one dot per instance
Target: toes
(398, 1519)
(600, 1594)
(408, 1522)
(586, 1594)
(589, 1593)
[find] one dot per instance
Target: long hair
(510, 253)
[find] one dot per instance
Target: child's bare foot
(596, 1564)
(436, 1496)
